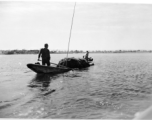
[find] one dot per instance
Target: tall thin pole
(71, 30)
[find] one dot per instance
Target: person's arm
(39, 54)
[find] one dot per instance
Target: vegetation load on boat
(76, 62)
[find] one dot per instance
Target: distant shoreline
(15, 52)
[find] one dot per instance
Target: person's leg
(43, 62)
(48, 63)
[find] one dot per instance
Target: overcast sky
(96, 26)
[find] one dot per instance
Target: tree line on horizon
(72, 51)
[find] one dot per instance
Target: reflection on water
(40, 80)
(45, 83)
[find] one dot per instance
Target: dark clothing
(45, 61)
(86, 56)
(45, 54)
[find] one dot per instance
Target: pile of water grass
(74, 63)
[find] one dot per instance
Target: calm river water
(116, 87)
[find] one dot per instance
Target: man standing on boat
(45, 54)
(87, 56)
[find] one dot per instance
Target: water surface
(117, 87)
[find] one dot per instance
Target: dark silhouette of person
(45, 55)
(87, 55)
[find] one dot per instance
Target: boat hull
(41, 69)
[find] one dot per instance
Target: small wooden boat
(47, 69)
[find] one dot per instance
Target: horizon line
(83, 50)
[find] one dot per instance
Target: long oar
(71, 29)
